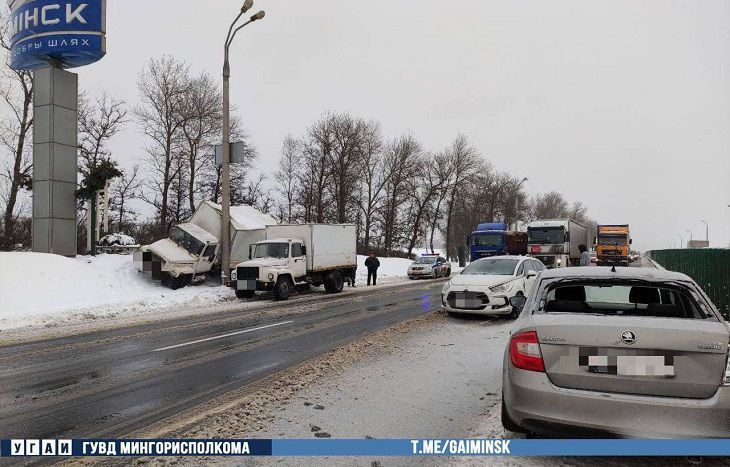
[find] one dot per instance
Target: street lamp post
(226, 166)
(517, 200)
(681, 241)
(707, 231)
(690, 234)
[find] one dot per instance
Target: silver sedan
(629, 352)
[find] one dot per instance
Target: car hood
(170, 251)
(264, 262)
(480, 280)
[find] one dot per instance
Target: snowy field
(42, 290)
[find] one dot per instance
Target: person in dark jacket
(372, 263)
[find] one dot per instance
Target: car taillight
(726, 380)
(524, 352)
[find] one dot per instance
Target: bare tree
(99, 121)
(163, 85)
(465, 162)
(423, 191)
(16, 99)
(123, 190)
(317, 146)
(549, 206)
(286, 178)
(348, 135)
(201, 128)
(372, 181)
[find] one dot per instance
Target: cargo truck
(493, 239)
(612, 245)
(555, 242)
(297, 257)
(192, 248)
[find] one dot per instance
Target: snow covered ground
(44, 290)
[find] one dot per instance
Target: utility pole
(226, 167)
(707, 231)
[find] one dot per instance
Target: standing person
(585, 255)
(372, 263)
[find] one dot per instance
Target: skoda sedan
(486, 285)
(628, 352)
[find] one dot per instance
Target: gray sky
(623, 105)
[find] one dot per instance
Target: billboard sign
(67, 33)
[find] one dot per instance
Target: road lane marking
(223, 336)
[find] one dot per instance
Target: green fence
(710, 268)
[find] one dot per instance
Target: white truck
(297, 256)
(555, 242)
(192, 249)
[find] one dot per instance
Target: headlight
(502, 288)
(560, 261)
(271, 276)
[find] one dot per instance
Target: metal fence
(710, 268)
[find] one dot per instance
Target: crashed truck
(193, 248)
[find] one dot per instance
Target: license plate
(466, 300)
(632, 365)
(246, 284)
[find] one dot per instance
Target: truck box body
(329, 246)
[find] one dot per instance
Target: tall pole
(690, 235)
(517, 201)
(681, 241)
(707, 231)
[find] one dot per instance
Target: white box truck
(192, 249)
(297, 256)
(555, 242)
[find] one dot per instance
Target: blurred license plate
(246, 284)
(632, 365)
(467, 300)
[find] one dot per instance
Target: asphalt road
(112, 383)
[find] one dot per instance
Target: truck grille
(467, 300)
(247, 273)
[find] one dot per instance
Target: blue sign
(68, 33)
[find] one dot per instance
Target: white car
(486, 285)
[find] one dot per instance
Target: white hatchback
(486, 285)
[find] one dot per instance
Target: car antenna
(613, 269)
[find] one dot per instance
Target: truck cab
(613, 245)
(274, 264)
(493, 239)
(185, 256)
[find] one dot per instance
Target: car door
(206, 259)
(299, 262)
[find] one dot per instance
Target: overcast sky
(624, 105)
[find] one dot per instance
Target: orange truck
(613, 245)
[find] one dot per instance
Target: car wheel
(245, 293)
(303, 288)
(334, 282)
(282, 289)
(507, 422)
(176, 282)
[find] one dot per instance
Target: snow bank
(35, 287)
(391, 270)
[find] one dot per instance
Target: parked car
(430, 266)
(485, 286)
(625, 352)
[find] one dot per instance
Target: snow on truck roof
(246, 217)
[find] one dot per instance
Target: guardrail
(709, 267)
(117, 249)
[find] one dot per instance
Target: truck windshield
(492, 267)
(619, 240)
(546, 235)
(272, 250)
(186, 241)
(485, 239)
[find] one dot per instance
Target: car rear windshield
(623, 299)
(492, 267)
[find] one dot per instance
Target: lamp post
(226, 167)
(707, 231)
(517, 200)
(690, 234)
(681, 241)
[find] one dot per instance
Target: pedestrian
(585, 255)
(372, 263)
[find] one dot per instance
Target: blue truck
(493, 239)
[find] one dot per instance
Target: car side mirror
(250, 252)
(530, 274)
(518, 301)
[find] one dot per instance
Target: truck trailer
(297, 256)
(555, 242)
(493, 239)
(192, 248)
(613, 245)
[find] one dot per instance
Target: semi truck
(613, 245)
(297, 256)
(493, 239)
(555, 242)
(192, 248)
